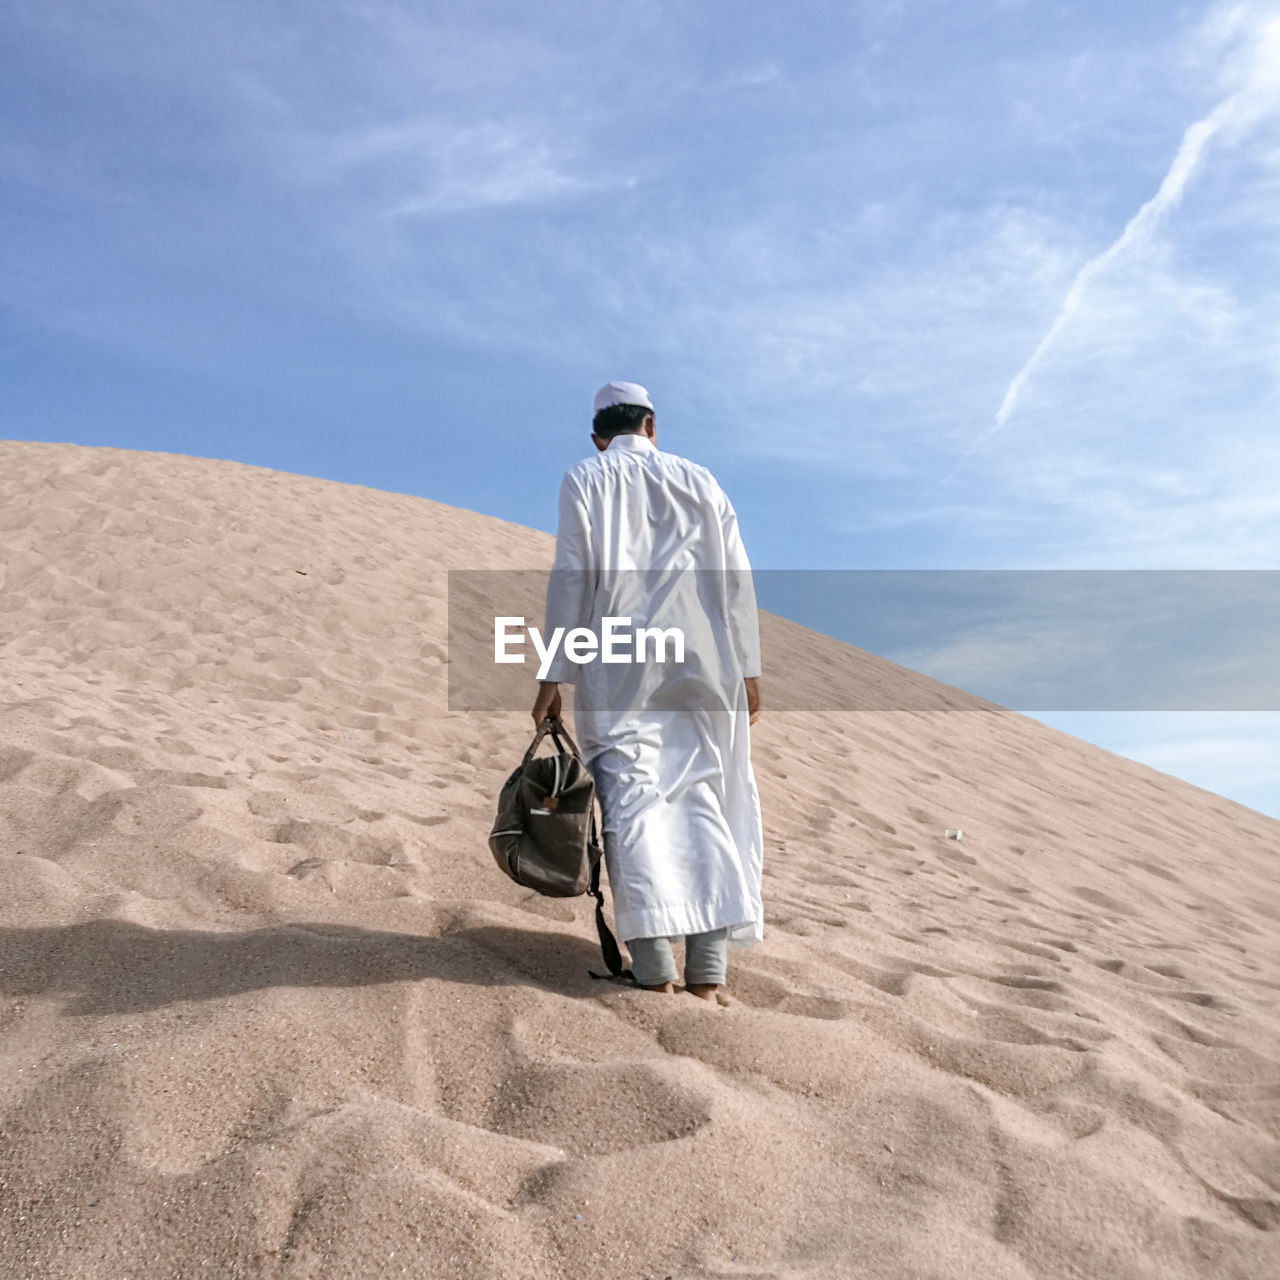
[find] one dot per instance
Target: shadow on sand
(115, 966)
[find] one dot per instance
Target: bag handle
(557, 731)
(554, 726)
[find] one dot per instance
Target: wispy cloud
(486, 166)
(1256, 96)
(1138, 229)
(426, 166)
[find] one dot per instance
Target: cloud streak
(1256, 97)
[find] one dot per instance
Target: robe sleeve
(740, 592)
(571, 586)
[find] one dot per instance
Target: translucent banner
(1030, 640)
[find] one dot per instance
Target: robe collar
(632, 444)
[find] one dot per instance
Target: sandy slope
(267, 1008)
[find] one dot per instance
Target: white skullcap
(621, 393)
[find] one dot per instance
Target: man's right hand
(547, 702)
(753, 698)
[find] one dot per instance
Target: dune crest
(268, 1009)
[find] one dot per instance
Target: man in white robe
(650, 537)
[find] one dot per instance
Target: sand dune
(268, 1009)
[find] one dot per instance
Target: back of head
(619, 420)
(620, 409)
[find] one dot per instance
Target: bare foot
(668, 987)
(704, 990)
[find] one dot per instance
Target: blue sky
(927, 285)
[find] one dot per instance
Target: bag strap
(608, 943)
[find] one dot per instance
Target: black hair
(619, 420)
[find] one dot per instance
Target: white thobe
(650, 536)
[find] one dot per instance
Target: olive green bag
(544, 836)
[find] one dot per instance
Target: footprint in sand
(1027, 982)
(333, 843)
(1008, 1028)
(178, 779)
(596, 1108)
(1205, 999)
(868, 819)
(548, 908)
(1153, 869)
(1030, 948)
(761, 991)
(1100, 899)
(13, 760)
(1206, 1038)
